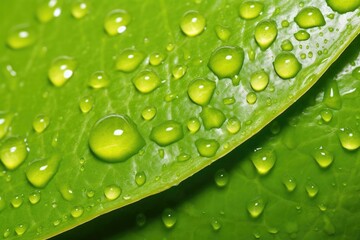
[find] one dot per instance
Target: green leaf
(70, 82)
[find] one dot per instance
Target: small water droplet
(34, 198)
(356, 73)
(212, 117)
(251, 98)
(40, 172)
(263, 159)
(326, 115)
(323, 157)
(140, 219)
(182, 157)
(285, 23)
(289, 183)
(112, 192)
(265, 33)
(146, 81)
(286, 45)
(256, 207)
(259, 80)
(116, 22)
(115, 138)
(169, 217)
(179, 71)
(227, 61)
(167, 133)
(149, 113)
(349, 138)
(193, 125)
(250, 9)
(66, 192)
(13, 152)
(80, 9)
(48, 10)
(41, 122)
(312, 189)
(215, 224)
(61, 70)
(192, 23)
(302, 35)
(233, 125)
(7, 233)
(17, 201)
(229, 100)
(200, 91)
(156, 58)
(21, 36)
(343, 6)
(207, 147)
(20, 229)
(128, 60)
(77, 211)
(221, 178)
(223, 33)
(98, 80)
(5, 121)
(286, 65)
(332, 98)
(140, 178)
(86, 104)
(309, 17)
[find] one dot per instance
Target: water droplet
(212, 117)
(115, 138)
(156, 58)
(77, 212)
(193, 125)
(302, 35)
(40, 172)
(251, 98)
(265, 33)
(286, 45)
(200, 91)
(17, 201)
(149, 113)
(98, 80)
(207, 147)
(13, 152)
(229, 100)
(323, 157)
(356, 73)
(40, 123)
(233, 125)
(128, 60)
(349, 138)
(343, 6)
(146, 81)
(259, 80)
(5, 121)
(179, 71)
(140, 219)
(7, 233)
(66, 192)
(61, 70)
(86, 104)
(116, 22)
(285, 23)
(332, 97)
(286, 65)
(182, 157)
(312, 189)
(48, 10)
(215, 224)
(169, 217)
(263, 160)
(167, 133)
(223, 33)
(250, 9)
(112, 192)
(289, 183)
(170, 97)
(221, 178)
(192, 23)
(309, 17)
(80, 9)
(256, 207)
(226, 61)
(21, 36)
(34, 198)
(20, 229)
(326, 115)
(140, 178)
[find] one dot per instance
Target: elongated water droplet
(169, 217)
(310, 17)
(40, 172)
(167, 133)
(227, 61)
(229, 100)
(77, 212)
(34, 198)
(259, 80)
(98, 80)
(116, 22)
(20, 229)
(302, 35)
(256, 207)
(179, 71)
(48, 10)
(192, 23)
(80, 9)
(286, 45)
(332, 98)
(233, 125)
(86, 104)
(61, 70)
(140, 178)
(212, 117)
(13, 152)
(21, 36)
(5, 121)
(349, 138)
(289, 183)
(115, 138)
(156, 58)
(149, 113)
(265, 33)
(223, 33)
(200, 91)
(312, 189)
(323, 157)
(146, 81)
(41, 122)
(17, 201)
(250, 9)
(207, 147)
(343, 6)
(128, 60)
(215, 224)
(263, 159)
(193, 125)
(183, 157)
(221, 178)
(326, 115)
(112, 192)
(286, 65)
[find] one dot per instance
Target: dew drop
(285, 23)
(116, 22)
(200, 91)
(215, 224)
(77, 212)
(167, 133)
(259, 80)
(286, 45)
(286, 65)
(229, 100)
(212, 117)
(332, 98)
(263, 159)
(182, 157)
(98, 80)
(112, 192)
(323, 157)
(13, 152)
(5, 121)
(302, 35)
(17, 201)
(256, 207)
(265, 33)
(207, 147)
(221, 178)
(48, 10)
(86, 104)
(309, 17)
(192, 23)
(66, 192)
(21, 36)
(312, 189)
(251, 98)
(233, 125)
(169, 217)
(7, 233)
(227, 61)
(148, 113)
(128, 60)
(40, 172)
(326, 115)
(289, 183)
(140, 178)
(34, 198)
(179, 71)
(40, 123)
(250, 9)
(343, 6)
(61, 70)
(20, 229)
(156, 58)
(356, 73)
(349, 138)
(80, 9)
(223, 33)
(193, 125)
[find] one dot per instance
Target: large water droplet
(312, 189)
(265, 33)
(192, 23)
(21, 36)
(61, 70)
(233, 125)
(98, 80)
(221, 178)
(286, 65)
(169, 217)
(66, 192)
(226, 62)
(13, 152)
(256, 207)
(48, 10)
(332, 97)
(40, 172)
(115, 138)
(323, 157)
(341, 6)
(310, 17)
(167, 133)
(112, 192)
(41, 122)
(80, 9)
(148, 113)
(251, 98)
(259, 80)
(263, 159)
(146, 81)
(207, 147)
(212, 117)
(116, 22)
(349, 138)
(77, 211)
(128, 60)
(86, 104)
(250, 9)
(5, 121)
(17, 201)
(200, 91)
(289, 183)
